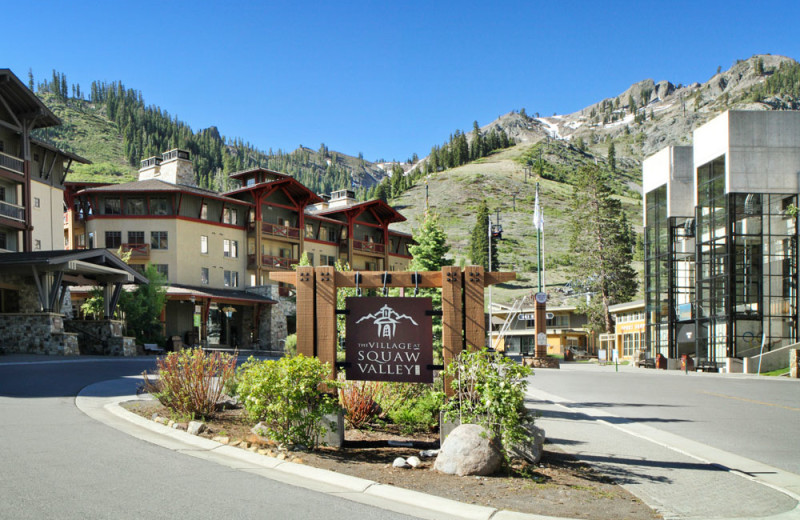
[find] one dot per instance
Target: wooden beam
(374, 279)
(495, 277)
(326, 317)
(452, 318)
(474, 321)
(304, 279)
(10, 112)
(284, 276)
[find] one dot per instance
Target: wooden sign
(389, 339)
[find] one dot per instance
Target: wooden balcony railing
(12, 211)
(368, 247)
(280, 231)
(272, 262)
(137, 251)
(9, 162)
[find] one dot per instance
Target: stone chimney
(174, 166)
(342, 199)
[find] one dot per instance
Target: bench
(647, 362)
(704, 365)
(153, 347)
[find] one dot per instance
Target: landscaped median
(556, 486)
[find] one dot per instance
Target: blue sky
(387, 79)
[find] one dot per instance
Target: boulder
(414, 462)
(196, 427)
(469, 450)
(530, 451)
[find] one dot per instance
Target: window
(231, 278)
(136, 237)
(2, 146)
(37, 202)
(2, 191)
(158, 240)
(310, 230)
(37, 245)
(111, 207)
(327, 260)
(203, 244)
(3, 240)
(204, 275)
(163, 269)
(159, 206)
(230, 248)
(204, 211)
(135, 207)
(230, 216)
(310, 257)
(113, 239)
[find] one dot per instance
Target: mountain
(116, 130)
(639, 121)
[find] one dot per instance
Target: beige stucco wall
(48, 218)
(187, 248)
(182, 255)
(318, 249)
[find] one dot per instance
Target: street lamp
(228, 315)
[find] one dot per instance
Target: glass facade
(718, 282)
(656, 272)
(746, 268)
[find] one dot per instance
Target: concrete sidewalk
(678, 477)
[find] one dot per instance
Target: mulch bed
(557, 486)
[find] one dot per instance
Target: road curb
(109, 411)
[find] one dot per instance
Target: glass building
(721, 239)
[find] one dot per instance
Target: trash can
(177, 344)
(661, 361)
(687, 363)
(568, 355)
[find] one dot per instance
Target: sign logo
(386, 319)
(389, 339)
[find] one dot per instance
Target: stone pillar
(794, 363)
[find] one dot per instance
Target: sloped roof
(70, 261)
(157, 185)
(24, 103)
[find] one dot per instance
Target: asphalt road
(755, 417)
(56, 462)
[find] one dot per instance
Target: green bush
(285, 395)
(290, 347)
(419, 413)
(489, 390)
(191, 382)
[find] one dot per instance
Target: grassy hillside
(455, 194)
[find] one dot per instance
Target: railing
(280, 231)
(137, 251)
(9, 162)
(278, 262)
(12, 211)
(369, 247)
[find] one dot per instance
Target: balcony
(12, 211)
(137, 251)
(368, 247)
(9, 162)
(272, 262)
(280, 231)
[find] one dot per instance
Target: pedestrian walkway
(679, 478)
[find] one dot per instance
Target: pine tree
(612, 158)
(479, 240)
(431, 248)
(602, 242)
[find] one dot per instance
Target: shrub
(191, 382)
(489, 390)
(359, 399)
(290, 347)
(285, 395)
(419, 413)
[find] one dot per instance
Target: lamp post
(228, 315)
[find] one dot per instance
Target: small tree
(143, 307)
(430, 254)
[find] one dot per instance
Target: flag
(538, 216)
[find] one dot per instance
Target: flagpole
(538, 224)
